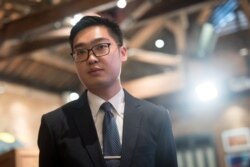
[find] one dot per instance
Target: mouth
(95, 70)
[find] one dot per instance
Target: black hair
(87, 21)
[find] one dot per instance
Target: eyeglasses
(81, 54)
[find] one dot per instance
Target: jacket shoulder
(144, 105)
(59, 114)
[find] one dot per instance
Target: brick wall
(21, 109)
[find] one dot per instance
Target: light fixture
(70, 96)
(159, 43)
(121, 4)
(206, 91)
(73, 96)
(75, 19)
(244, 52)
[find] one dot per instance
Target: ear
(123, 53)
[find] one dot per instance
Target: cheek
(116, 68)
(115, 63)
(80, 71)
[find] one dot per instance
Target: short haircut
(87, 21)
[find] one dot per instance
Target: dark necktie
(111, 141)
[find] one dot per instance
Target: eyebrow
(82, 44)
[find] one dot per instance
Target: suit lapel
(85, 125)
(131, 126)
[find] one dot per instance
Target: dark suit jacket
(68, 138)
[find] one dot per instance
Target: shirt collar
(117, 100)
(95, 102)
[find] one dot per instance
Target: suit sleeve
(166, 150)
(46, 144)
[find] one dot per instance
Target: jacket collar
(131, 126)
(80, 110)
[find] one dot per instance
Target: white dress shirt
(117, 102)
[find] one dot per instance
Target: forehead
(92, 34)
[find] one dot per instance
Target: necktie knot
(106, 107)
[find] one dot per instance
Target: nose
(92, 59)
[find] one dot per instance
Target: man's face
(98, 73)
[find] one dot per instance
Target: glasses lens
(80, 55)
(101, 49)
(98, 50)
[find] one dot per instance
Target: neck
(106, 93)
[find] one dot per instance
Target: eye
(81, 51)
(101, 46)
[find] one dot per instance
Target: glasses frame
(91, 49)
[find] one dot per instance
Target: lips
(94, 70)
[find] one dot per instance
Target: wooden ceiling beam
(141, 9)
(48, 16)
(151, 57)
(146, 33)
(169, 6)
(45, 57)
(119, 15)
(171, 14)
(30, 2)
(57, 33)
(178, 28)
(204, 15)
(245, 5)
(155, 85)
(21, 48)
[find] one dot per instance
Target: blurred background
(190, 56)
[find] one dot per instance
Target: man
(82, 133)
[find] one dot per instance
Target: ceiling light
(73, 96)
(244, 52)
(75, 19)
(70, 96)
(206, 91)
(121, 4)
(159, 43)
